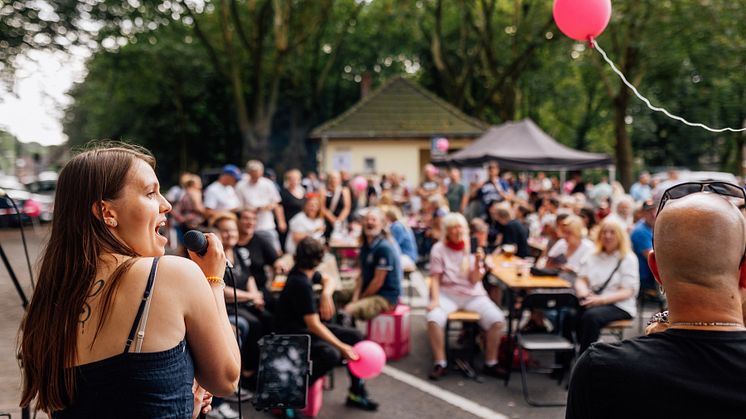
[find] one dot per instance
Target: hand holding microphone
(206, 251)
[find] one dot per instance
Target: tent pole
(612, 173)
(563, 178)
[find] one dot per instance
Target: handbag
(598, 291)
(511, 361)
(544, 271)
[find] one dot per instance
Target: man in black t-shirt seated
(296, 313)
(697, 367)
(505, 229)
(256, 253)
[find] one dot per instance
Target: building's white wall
(401, 156)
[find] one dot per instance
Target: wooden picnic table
(504, 273)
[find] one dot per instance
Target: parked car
(44, 189)
(30, 205)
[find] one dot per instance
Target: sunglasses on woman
(732, 192)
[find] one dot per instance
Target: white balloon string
(651, 106)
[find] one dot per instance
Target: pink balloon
(442, 144)
(582, 19)
(371, 362)
(359, 183)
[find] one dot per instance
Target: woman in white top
(607, 283)
(570, 251)
(309, 222)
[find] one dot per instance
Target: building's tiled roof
(400, 108)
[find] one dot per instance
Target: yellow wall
(401, 156)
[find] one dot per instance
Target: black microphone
(196, 241)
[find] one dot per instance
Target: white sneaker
(246, 396)
(224, 411)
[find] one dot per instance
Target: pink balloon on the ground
(371, 362)
(359, 183)
(442, 144)
(582, 19)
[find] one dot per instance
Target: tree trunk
(244, 126)
(623, 145)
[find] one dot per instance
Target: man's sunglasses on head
(733, 193)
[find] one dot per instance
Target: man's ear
(653, 264)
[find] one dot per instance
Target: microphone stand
(229, 270)
(25, 411)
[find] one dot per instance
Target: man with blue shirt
(493, 189)
(379, 285)
(641, 191)
(402, 235)
(642, 243)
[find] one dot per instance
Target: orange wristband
(215, 280)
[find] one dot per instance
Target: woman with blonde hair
(607, 282)
(569, 252)
(336, 202)
(402, 235)
(457, 284)
(292, 195)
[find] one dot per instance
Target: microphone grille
(195, 241)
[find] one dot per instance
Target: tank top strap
(143, 304)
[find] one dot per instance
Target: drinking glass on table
(509, 250)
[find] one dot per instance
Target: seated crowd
(446, 226)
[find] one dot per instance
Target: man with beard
(379, 285)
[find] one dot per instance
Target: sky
(33, 106)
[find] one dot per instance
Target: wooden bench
(464, 316)
(617, 328)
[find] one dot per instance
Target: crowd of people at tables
(596, 236)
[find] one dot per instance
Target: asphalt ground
(403, 389)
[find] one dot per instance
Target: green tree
(161, 92)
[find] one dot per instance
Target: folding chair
(544, 342)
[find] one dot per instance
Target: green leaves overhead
(225, 80)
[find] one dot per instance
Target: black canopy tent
(522, 145)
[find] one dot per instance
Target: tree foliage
(224, 80)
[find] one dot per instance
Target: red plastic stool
(315, 398)
(390, 329)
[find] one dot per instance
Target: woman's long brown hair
(79, 237)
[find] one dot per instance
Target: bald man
(696, 368)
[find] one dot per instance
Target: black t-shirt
(671, 374)
(241, 269)
(291, 205)
(513, 233)
(490, 191)
(296, 301)
(260, 253)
